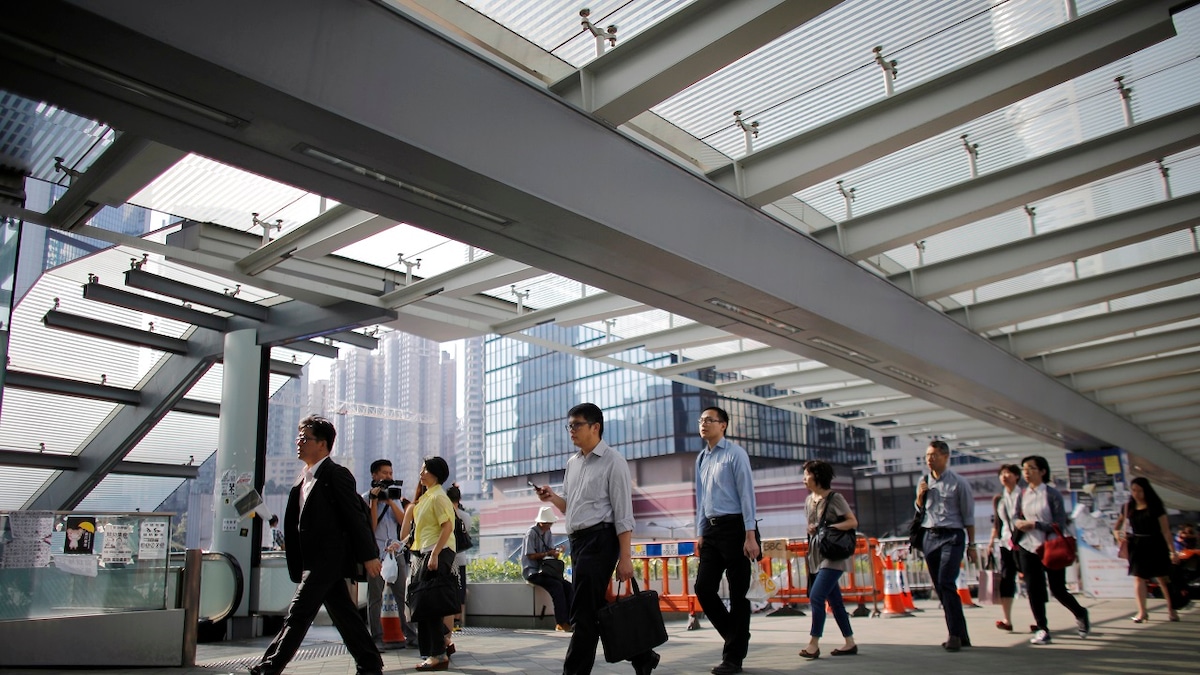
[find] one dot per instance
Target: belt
(725, 519)
(945, 529)
(598, 527)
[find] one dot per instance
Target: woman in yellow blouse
(431, 517)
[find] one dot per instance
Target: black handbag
(433, 595)
(916, 529)
(553, 567)
(631, 625)
(832, 543)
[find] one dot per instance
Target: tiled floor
(899, 646)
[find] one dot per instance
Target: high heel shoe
(1173, 617)
(1138, 619)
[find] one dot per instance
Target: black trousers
(1035, 580)
(321, 587)
(560, 592)
(722, 553)
(431, 636)
(1008, 573)
(594, 555)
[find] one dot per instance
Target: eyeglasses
(709, 420)
(572, 426)
(301, 438)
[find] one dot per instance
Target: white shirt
(1036, 508)
(308, 476)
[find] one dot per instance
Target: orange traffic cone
(964, 593)
(389, 617)
(893, 600)
(905, 593)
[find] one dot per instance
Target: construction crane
(381, 412)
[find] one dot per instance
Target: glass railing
(65, 563)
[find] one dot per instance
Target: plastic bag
(390, 568)
(756, 592)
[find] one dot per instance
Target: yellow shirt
(434, 509)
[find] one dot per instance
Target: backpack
(462, 540)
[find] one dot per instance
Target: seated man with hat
(541, 566)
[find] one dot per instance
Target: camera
(392, 487)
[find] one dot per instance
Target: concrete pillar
(238, 466)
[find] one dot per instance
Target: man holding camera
(383, 499)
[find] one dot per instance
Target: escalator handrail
(238, 584)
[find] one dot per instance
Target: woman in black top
(1149, 543)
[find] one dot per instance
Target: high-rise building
(469, 452)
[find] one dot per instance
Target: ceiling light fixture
(843, 350)
(750, 314)
(367, 172)
(126, 83)
(1003, 413)
(912, 378)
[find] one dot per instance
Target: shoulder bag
(553, 567)
(830, 542)
(916, 529)
(1057, 553)
(631, 625)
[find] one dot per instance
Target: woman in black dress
(1149, 543)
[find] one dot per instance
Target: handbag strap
(633, 584)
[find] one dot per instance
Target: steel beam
(795, 380)
(356, 339)
(67, 387)
(1166, 414)
(200, 296)
(115, 332)
(193, 406)
(1184, 398)
(334, 229)
(759, 357)
(315, 348)
(1138, 371)
(860, 392)
(1031, 341)
(591, 308)
(141, 303)
(129, 468)
(39, 460)
(1014, 186)
(671, 339)
(679, 51)
(892, 406)
(1011, 309)
(1119, 351)
(973, 270)
(945, 102)
(1148, 389)
(293, 321)
(1174, 426)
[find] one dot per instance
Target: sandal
(1002, 625)
(1138, 619)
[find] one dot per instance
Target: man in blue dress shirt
(725, 529)
(949, 530)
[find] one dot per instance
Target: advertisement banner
(1099, 487)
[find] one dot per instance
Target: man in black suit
(327, 537)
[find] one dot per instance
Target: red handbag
(1058, 553)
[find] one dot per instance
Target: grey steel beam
(1014, 186)
(67, 387)
(656, 234)
(1166, 414)
(356, 339)
(1137, 371)
(785, 381)
(162, 388)
(129, 468)
(141, 303)
(583, 310)
(1174, 426)
(680, 337)
(193, 406)
(294, 321)
(110, 331)
(1184, 398)
(1011, 309)
(1031, 341)
(336, 228)
(474, 277)
(1176, 436)
(200, 296)
(973, 270)
(759, 357)
(278, 367)
(893, 406)
(39, 460)
(1148, 389)
(1010, 75)
(679, 51)
(313, 347)
(120, 172)
(860, 392)
(1117, 351)
(949, 421)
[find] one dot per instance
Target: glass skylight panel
(163, 444)
(1183, 290)
(61, 423)
(204, 190)
(436, 253)
(555, 26)
(18, 484)
(120, 492)
(32, 134)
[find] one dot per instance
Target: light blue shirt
(724, 485)
(949, 502)
(598, 489)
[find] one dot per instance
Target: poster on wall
(117, 549)
(81, 535)
(152, 540)
(1098, 483)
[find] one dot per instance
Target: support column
(239, 446)
(12, 192)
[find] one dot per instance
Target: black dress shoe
(726, 668)
(952, 644)
(649, 665)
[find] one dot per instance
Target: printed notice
(152, 540)
(118, 546)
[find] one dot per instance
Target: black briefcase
(631, 625)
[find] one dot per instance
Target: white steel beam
(1031, 341)
(679, 51)
(973, 270)
(338, 227)
(784, 381)
(894, 406)
(1167, 414)
(1175, 426)
(859, 392)
(1014, 186)
(1148, 389)
(1011, 309)
(1117, 351)
(469, 279)
(1043, 61)
(1138, 371)
(591, 308)
(759, 357)
(1183, 398)
(671, 339)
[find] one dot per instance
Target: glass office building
(529, 389)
